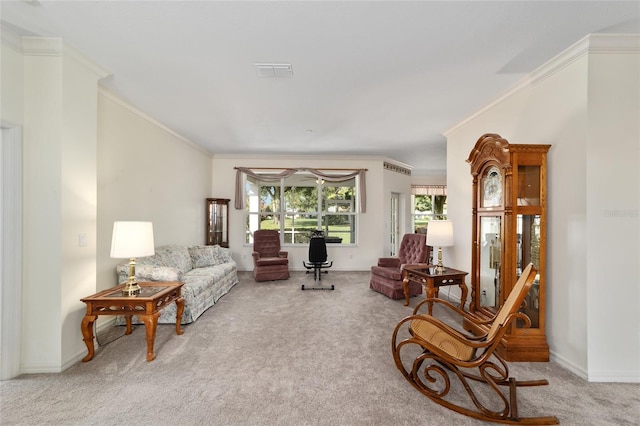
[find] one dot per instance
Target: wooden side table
(153, 297)
(432, 282)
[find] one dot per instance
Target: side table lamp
(440, 234)
(131, 240)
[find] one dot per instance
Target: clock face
(492, 188)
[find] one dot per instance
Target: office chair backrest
(317, 249)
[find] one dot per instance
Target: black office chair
(317, 259)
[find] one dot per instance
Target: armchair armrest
(255, 255)
(283, 254)
(389, 262)
(414, 265)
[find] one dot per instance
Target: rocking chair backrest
(515, 299)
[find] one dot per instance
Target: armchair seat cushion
(266, 261)
(389, 273)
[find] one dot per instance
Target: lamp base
(440, 267)
(131, 289)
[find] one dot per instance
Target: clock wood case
(509, 232)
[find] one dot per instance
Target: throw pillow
(203, 256)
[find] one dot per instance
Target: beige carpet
(271, 354)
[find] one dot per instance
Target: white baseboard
(568, 365)
(614, 377)
(75, 358)
(596, 376)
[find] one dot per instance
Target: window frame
(430, 215)
(321, 213)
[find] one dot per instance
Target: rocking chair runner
(445, 353)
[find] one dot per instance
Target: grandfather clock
(217, 225)
(509, 232)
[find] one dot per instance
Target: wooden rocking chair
(444, 353)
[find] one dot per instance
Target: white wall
(146, 172)
(11, 117)
(613, 215)
(59, 110)
(78, 197)
(400, 184)
(429, 180)
(561, 104)
(370, 227)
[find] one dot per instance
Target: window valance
(274, 177)
(429, 189)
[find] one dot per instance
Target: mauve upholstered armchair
(269, 262)
(386, 276)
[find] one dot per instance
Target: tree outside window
(294, 207)
(429, 203)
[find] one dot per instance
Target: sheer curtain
(429, 189)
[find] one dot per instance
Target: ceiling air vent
(274, 70)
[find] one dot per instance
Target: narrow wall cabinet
(509, 232)
(217, 225)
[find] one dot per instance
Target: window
(429, 203)
(299, 204)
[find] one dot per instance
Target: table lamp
(131, 240)
(440, 234)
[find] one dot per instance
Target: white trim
(47, 46)
(292, 157)
(11, 253)
(593, 43)
(614, 377)
(568, 365)
(42, 46)
(114, 98)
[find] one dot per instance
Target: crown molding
(327, 157)
(590, 44)
(47, 46)
(42, 46)
(56, 47)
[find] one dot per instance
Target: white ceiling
(369, 77)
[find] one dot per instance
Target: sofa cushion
(203, 256)
(157, 273)
(217, 272)
(154, 260)
(176, 257)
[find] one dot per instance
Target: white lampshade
(440, 233)
(132, 239)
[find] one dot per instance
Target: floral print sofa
(208, 273)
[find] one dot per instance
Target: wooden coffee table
(431, 281)
(153, 297)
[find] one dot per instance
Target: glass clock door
(490, 260)
(528, 251)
